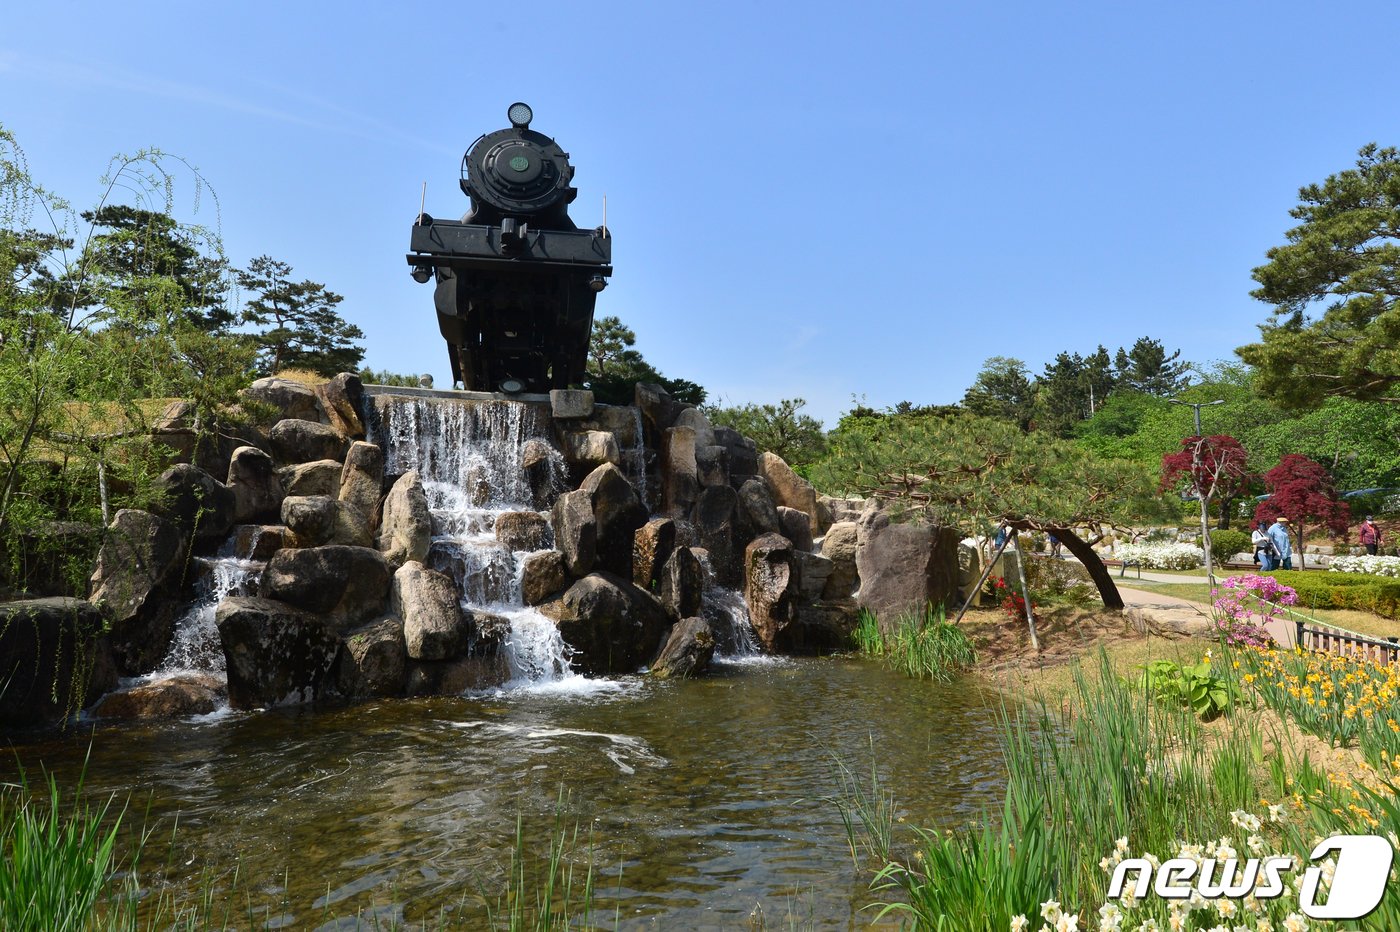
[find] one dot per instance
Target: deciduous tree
(1302, 490)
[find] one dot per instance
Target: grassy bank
(1121, 770)
(918, 644)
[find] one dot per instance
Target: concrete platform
(453, 394)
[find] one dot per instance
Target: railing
(1339, 641)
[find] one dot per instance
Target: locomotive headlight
(597, 283)
(511, 386)
(520, 115)
(421, 273)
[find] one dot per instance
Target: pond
(704, 799)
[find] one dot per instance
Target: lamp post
(1196, 407)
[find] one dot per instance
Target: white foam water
(470, 456)
(196, 648)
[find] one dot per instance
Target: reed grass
(917, 644)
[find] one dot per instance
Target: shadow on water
(710, 796)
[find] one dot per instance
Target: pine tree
(302, 329)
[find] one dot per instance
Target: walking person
(1283, 544)
(1370, 536)
(1263, 547)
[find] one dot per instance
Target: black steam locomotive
(516, 279)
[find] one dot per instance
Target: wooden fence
(1336, 641)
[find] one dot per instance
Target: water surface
(704, 799)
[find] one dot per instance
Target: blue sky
(813, 200)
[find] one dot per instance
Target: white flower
(1110, 918)
(1050, 910)
(1068, 922)
(1245, 820)
(1226, 908)
(1263, 925)
(1255, 844)
(1278, 814)
(1225, 852)
(1295, 923)
(1122, 844)
(1019, 923)
(1251, 903)
(1149, 925)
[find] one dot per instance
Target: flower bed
(1161, 556)
(1367, 564)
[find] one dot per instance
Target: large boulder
(788, 488)
(434, 627)
(712, 465)
(346, 585)
(571, 403)
(740, 454)
(289, 399)
(680, 474)
(696, 420)
(688, 649)
(585, 450)
(319, 477)
(658, 409)
(613, 626)
(53, 660)
(342, 398)
(543, 467)
(362, 480)
(200, 505)
(542, 577)
(813, 570)
(716, 513)
(256, 487)
(317, 520)
(275, 654)
(406, 530)
(298, 441)
(618, 514)
(259, 541)
(904, 567)
(576, 532)
(483, 666)
(176, 697)
(681, 584)
(373, 660)
(524, 530)
(796, 526)
(757, 509)
(771, 587)
(651, 547)
(839, 546)
(134, 582)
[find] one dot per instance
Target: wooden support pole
(985, 573)
(1025, 590)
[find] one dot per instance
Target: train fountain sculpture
(369, 541)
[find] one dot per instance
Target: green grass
(1114, 764)
(922, 645)
(57, 862)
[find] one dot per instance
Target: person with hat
(1283, 544)
(1370, 536)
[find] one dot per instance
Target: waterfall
(475, 458)
(196, 648)
(635, 459)
(728, 615)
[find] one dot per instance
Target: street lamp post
(1196, 407)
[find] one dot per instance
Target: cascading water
(728, 615)
(196, 648)
(472, 457)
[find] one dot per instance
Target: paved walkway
(1186, 617)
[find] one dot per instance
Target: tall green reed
(918, 644)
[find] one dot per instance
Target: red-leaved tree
(1301, 490)
(1209, 467)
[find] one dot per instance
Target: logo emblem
(519, 163)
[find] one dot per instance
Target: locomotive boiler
(516, 279)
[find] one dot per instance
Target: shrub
(1192, 685)
(1358, 591)
(1366, 565)
(1225, 544)
(1161, 556)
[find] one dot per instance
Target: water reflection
(711, 796)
